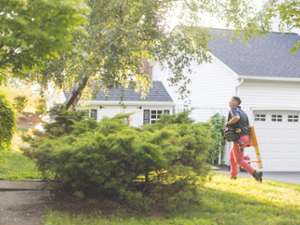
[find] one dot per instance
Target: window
(155, 115)
(260, 117)
(276, 118)
(293, 118)
(151, 116)
(93, 113)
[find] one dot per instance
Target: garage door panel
(279, 140)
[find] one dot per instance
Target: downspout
(241, 81)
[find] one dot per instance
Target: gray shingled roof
(269, 55)
(157, 93)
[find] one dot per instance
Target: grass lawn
(15, 166)
(240, 202)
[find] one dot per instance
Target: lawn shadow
(218, 207)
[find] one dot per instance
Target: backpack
(231, 134)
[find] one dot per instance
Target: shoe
(233, 178)
(258, 176)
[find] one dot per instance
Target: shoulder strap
(229, 116)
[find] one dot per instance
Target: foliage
(224, 202)
(104, 43)
(180, 118)
(132, 32)
(287, 12)
(7, 123)
(63, 120)
(20, 103)
(140, 167)
(34, 32)
(249, 19)
(217, 124)
(15, 166)
(121, 35)
(41, 106)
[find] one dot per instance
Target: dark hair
(236, 98)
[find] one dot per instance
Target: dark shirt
(243, 123)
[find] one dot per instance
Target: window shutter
(93, 113)
(146, 116)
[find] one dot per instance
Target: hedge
(7, 123)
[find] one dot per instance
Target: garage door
(279, 138)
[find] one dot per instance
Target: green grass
(225, 202)
(15, 166)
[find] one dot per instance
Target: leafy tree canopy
(34, 32)
(42, 38)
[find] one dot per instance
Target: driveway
(287, 177)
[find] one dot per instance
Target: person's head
(235, 101)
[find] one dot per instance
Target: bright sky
(207, 21)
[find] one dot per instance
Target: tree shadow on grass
(218, 207)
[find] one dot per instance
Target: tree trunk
(77, 91)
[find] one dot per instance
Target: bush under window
(156, 165)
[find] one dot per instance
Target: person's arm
(235, 118)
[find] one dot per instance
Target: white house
(266, 75)
(127, 100)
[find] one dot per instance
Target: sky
(209, 21)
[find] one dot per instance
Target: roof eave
(128, 103)
(268, 78)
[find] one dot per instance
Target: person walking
(239, 122)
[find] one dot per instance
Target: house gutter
(266, 78)
(128, 103)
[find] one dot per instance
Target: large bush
(7, 123)
(152, 165)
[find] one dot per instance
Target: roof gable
(264, 56)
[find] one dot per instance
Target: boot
(258, 176)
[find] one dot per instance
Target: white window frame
(276, 118)
(154, 115)
(260, 117)
(293, 118)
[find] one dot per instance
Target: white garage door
(278, 134)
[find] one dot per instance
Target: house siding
(268, 96)
(212, 85)
(278, 95)
(135, 119)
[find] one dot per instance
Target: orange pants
(237, 156)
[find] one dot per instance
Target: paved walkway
(22, 185)
(22, 203)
